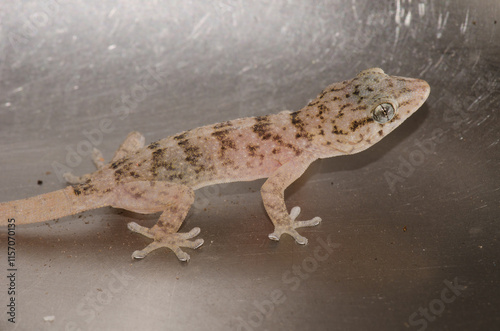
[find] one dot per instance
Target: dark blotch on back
(158, 154)
(222, 125)
(192, 152)
(225, 141)
(85, 188)
(261, 127)
(154, 145)
(279, 140)
(180, 136)
(158, 161)
(118, 174)
(299, 125)
(118, 163)
(322, 110)
(252, 149)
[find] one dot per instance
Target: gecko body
(346, 118)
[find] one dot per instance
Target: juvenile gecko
(346, 118)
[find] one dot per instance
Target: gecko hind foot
(74, 180)
(173, 241)
(98, 158)
(290, 228)
(98, 161)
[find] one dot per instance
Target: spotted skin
(162, 176)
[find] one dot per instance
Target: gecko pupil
(383, 113)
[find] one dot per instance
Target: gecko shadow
(98, 232)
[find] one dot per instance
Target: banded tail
(49, 206)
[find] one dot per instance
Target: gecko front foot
(290, 228)
(161, 238)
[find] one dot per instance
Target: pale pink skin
(163, 175)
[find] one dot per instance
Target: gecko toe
(313, 222)
(300, 239)
(294, 212)
(98, 158)
(138, 255)
(132, 226)
(191, 234)
(181, 255)
(194, 244)
(274, 236)
(292, 225)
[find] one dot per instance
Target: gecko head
(371, 105)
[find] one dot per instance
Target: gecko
(345, 118)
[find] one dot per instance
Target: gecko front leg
(151, 197)
(273, 197)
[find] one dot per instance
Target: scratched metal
(402, 221)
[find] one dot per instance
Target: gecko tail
(46, 207)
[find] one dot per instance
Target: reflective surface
(410, 230)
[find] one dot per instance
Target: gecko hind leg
(132, 143)
(98, 160)
(173, 200)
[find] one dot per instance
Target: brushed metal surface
(402, 221)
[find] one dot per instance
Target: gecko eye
(383, 113)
